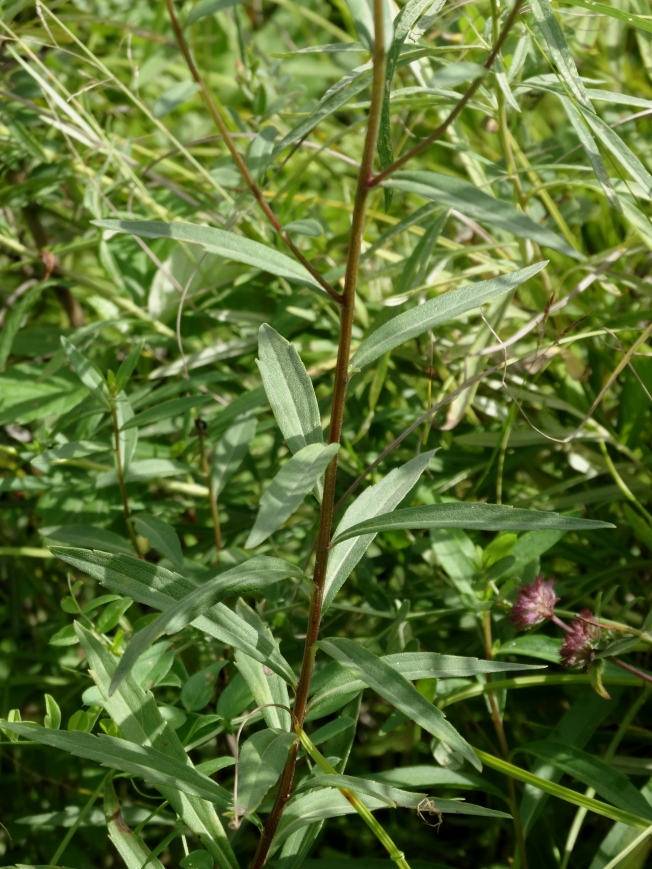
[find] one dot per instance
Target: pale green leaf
(288, 489)
(380, 498)
(161, 536)
(473, 202)
(144, 761)
(253, 575)
(217, 241)
(87, 373)
(436, 311)
(175, 96)
(261, 762)
(131, 847)
(483, 517)
(289, 390)
(231, 450)
(397, 690)
(159, 588)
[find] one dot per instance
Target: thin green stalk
(578, 820)
(80, 817)
(622, 485)
(559, 791)
(218, 118)
(121, 481)
(532, 682)
(504, 746)
(376, 828)
(200, 428)
(335, 431)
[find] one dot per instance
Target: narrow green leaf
(128, 365)
(253, 575)
(87, 373)
(379, 498)
(88, 537)
(337, 687)
(626, 16)
(391, 796)
(131, 847)
(161, 536)
(175, 96)
(139, 719)
(473, 202)
(431, 776)
(15, 317)
(71, 450)
(226, 244)
(288, 489)
(289, 390)
(144, 761)
(266, 689)
(160, 588)
(483, 517)
(610, 784)
(305, 809)
(533, 646)
(231, 450)
(209, 7)
(432, 313)
(396, 689)
(198, 690)
(261, 762)
(167, 410)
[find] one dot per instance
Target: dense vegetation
(272, 270)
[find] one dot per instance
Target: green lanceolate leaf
(266, 690)
(288, 489)
(140, 760)
(87, 373)
(339, 686)
(167, 410)
(626, 16)
(380, 498)
(396, 689)
(140, 722)
(433, 313)
(253, 575)
(231, 450)
(131, 847)
(473, 202)
(160, 588)
(226, 244)
(614, 786)
(305, 809)
(289, 390)
(261, 761)
(209, 7)
(161, 536)
(391, 796)
(484, 517)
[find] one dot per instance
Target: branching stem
(337, 416)
(439, 131)
(256, 192)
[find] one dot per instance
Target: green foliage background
(99, 119)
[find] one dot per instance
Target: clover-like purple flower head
(535, 603)
(577, 648)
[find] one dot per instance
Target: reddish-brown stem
(468, 95)
(337, 416)
(633, 670)
(215, 113)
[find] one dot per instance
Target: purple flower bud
(577, 648)
(535, 603)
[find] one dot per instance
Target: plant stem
(607, 758)
(633, 670)
(337, 416)
(376, 828)
(504, 747)
(121, 482)
(216, 114)
(80, 817)
(200, 428)
(468, 95)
